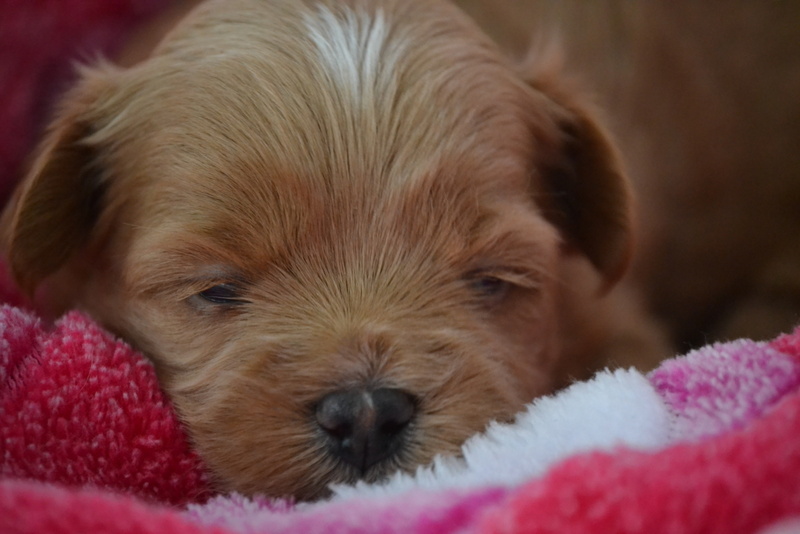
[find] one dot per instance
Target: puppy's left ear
(580, 184)
(54, 209)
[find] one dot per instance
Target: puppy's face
(336, 231)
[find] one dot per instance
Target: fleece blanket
(708, 442)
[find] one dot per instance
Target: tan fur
(356, 230)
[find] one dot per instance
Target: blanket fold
(79, 408)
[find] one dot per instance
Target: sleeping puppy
(341, 231)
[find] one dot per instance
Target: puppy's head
(335, 229)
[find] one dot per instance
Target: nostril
(340, 431)
(394, 410)
(392, 427)
(337, 413)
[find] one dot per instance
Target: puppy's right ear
(55, 207)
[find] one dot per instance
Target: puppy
(343, 232)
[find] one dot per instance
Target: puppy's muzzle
(364, 427)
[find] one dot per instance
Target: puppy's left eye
(223, 294)
(489, 287)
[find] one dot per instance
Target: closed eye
(492, 285)
(226, 294)
(489, 286)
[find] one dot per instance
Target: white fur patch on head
(354, 48)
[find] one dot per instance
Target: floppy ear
(55, 207)
(583, 189)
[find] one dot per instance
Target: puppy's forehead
(379, 91)
(386, 123)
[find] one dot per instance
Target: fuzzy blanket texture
(709, 442)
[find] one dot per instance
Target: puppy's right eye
(223, 294)
(490, 287)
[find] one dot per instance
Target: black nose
(365, 427)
